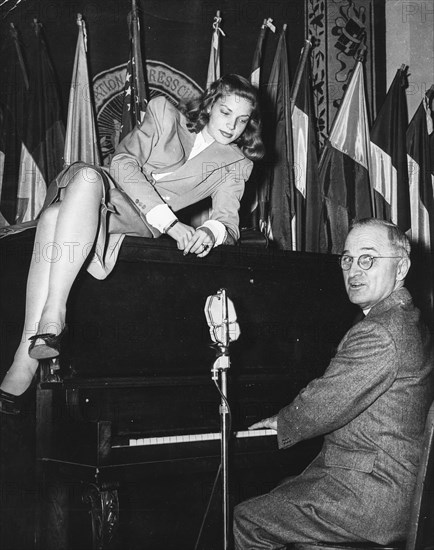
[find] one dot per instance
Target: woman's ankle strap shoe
(49, 349)
(9, 404)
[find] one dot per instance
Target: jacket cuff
(288, 432)
(160, 217)
(217, 229)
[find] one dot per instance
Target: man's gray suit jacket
(371, 405)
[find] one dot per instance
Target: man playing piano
(370, 405)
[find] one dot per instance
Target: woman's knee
(85, 176)
(89, 174)
(49, 216)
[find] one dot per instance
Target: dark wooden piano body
(137, 364)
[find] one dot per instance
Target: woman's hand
(200, 243)
(182, 234)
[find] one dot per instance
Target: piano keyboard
(191, 438)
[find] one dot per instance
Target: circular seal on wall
(108, 89)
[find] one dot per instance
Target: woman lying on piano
(176, 158)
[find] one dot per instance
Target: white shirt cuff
(160, 217)
(217, 229)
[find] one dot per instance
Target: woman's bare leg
(64, 238)
(21, 372)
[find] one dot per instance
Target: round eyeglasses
(365, 261)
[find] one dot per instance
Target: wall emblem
(108, 89)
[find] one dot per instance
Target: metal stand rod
(224, 458)
(219, 371)
(219, 375)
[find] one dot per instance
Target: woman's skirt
(118, 216)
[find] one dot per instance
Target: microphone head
(221, 318)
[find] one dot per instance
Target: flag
(81, 142)
(44, 138)
(251, 198)
(420, 158)
(389, 171)
(278, 188)
(200, 212)
(255, 73)
(306, 222)
(3, 221)
(135, 96)
(214, 56)
(431, 140)
(13, 103)
(344, 167)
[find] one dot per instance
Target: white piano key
(191, 438)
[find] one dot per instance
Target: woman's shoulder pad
(161, 104)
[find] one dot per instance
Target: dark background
(176, 32)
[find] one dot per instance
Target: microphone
(222, 318)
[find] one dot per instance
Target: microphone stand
(219, 372)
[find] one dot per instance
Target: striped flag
(344, 167)
(81, 142)
(214, 56)
(279, 186)
(306, 222)
(389, 172)
(13, 103)
(135, 96)
(420, 157)
(44, 140)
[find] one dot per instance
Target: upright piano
(128, 428)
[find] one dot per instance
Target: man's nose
(354, 268)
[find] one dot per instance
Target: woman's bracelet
(172, 224)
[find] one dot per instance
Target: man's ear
(402, 269)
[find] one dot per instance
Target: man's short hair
(398, 240)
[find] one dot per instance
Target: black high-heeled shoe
(49, 349)
(9, 403)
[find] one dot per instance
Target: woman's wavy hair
(197, 110)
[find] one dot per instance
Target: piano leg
(53, 516)
(103, 502)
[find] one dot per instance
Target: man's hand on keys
(270, 423)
